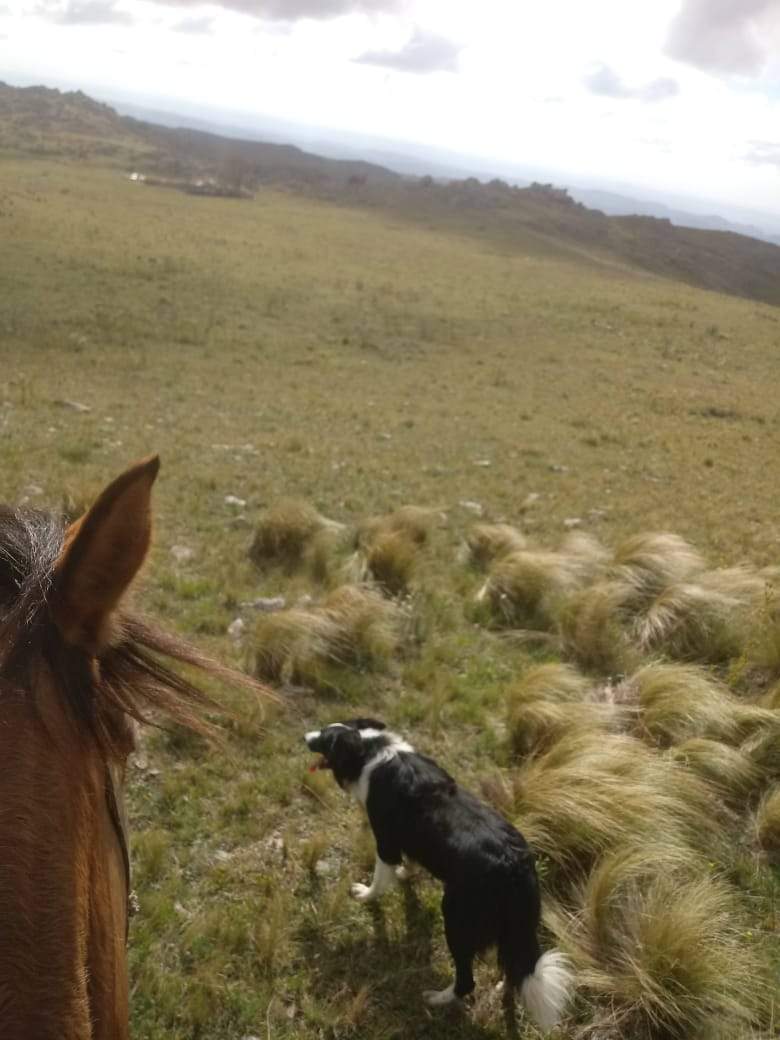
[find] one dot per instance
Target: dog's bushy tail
(547, 990)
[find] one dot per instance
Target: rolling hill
(38, 121)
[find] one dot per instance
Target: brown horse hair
(129, 679)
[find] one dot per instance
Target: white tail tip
(547, 992)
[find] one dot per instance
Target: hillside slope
(42, 122)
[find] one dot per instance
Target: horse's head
(76, 669)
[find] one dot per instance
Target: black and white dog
(491, 894)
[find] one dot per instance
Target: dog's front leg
(384, 878)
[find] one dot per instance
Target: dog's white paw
(402, 873)
(440, 997)
(362, 893)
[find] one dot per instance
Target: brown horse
(75, 671)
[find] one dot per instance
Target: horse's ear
(102, 553)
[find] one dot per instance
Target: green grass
(286, 349)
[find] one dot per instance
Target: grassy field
(287, 348)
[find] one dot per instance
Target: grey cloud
(764, 153)
(86, 12)
(724, 36)
(424, 52)
(292, 10)
(194, 25)
(605, 82)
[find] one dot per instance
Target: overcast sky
(680, 95)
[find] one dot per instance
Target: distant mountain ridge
(42, 122)
(615, 205)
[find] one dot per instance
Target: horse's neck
(62, 885)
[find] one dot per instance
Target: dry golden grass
(592, 792)
(678, 701)
(486, 543)
(691, 622)
(648, 563)
(551, 701)
(593, 628)
(391, 561)
(526, 588)
(413, 522)
(728, 770)
(768, 825)
(353, 625)
(662, 945)
(285, 532)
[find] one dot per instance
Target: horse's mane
(131, 679)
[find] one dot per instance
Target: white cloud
(726, 36)
(605, 81)
(423, 52)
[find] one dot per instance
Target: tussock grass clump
(592, 792)
(593, 627)
(486, 543)
(536, 724)
(649, 562)
(589, 555)
(354, 625)
(290, 644)
(764, 644)
(679, 701)
(551, 682)
(728, 770)
(368, 625)
(663, 947)
(527, 588)
(763, 748)
(768, 825)
(693, 622)
(550, 701)
(414, 522)
(286, 530)
(391, 561)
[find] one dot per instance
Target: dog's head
(345, 747)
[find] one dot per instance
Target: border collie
(491, 893)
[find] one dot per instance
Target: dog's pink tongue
(322, 763)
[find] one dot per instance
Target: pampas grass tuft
(391, 562)
(550, 701)
(728, 770)
(552, 682)
(526, 588)
(413, 522)
(354, 625)
(486, 543)
(678, 701)
(693, 622)
(592, 626)
(662, 944)
(650, 562)
(593, 791)
(285, 531)
(768, 825)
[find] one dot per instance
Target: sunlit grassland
(283, 347)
